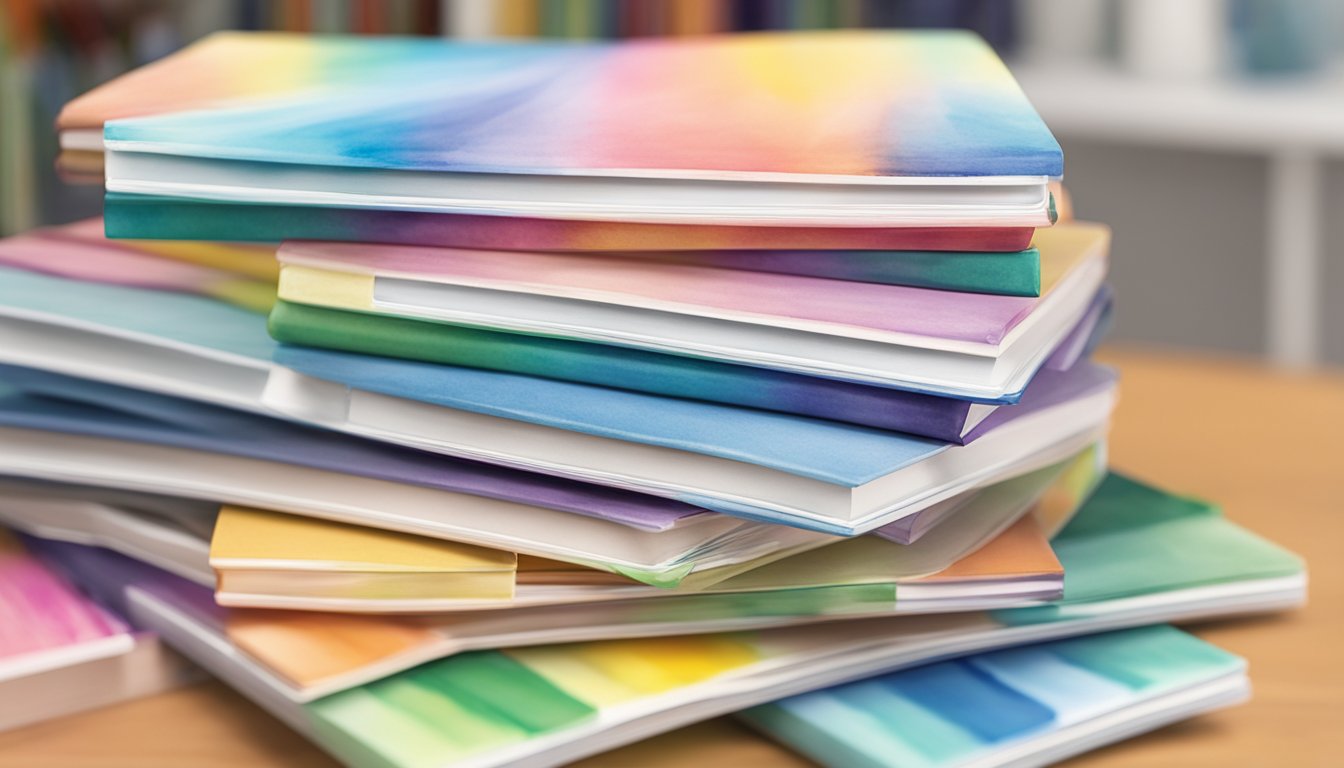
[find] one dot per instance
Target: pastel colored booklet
(1034, 705)
(916, 413)
(61, 653)
(947, 343)
(782, 468)
(176, 535)
(1011, 273)
(548, 704)
(993, 554)
(238, 274)
(935, 132)
(254, 550)
(820, 475)
(167, 218)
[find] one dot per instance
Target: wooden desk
(1265, 445)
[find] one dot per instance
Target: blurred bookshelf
(1296, 125)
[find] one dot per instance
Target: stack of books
(594, 390)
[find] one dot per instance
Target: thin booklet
(62, 653)
(945, 343)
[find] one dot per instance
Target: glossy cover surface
(864, 104)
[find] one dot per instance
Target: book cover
(857, 104)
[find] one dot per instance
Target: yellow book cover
(258, 552)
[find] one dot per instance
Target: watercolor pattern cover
(857, 104)
(45, 622)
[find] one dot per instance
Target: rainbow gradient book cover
(878, 104)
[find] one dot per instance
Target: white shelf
(1265, 115)
(1294, 122)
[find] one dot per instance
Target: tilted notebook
(328, 566)
(61, 653)
(1012, 273)
(244, 275)
(942, 418)
(935, 130)
(279, 561)
(548, 704)
(820, 475)
(920, 339)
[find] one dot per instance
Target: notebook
(247, 260)
(942, 342)
(237, 274)
(60, 653)
(1008, 273)
(683, 130)
(825, 475)
(820, 475)
(550, 704)
(930, 574)
(166, 218)
(260, 550)
(941, 418)
(1034, 705)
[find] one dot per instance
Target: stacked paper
(592, 390)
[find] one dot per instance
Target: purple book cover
(66, 404)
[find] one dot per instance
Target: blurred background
(1208, 133)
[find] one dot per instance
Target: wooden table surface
(1265, 445)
